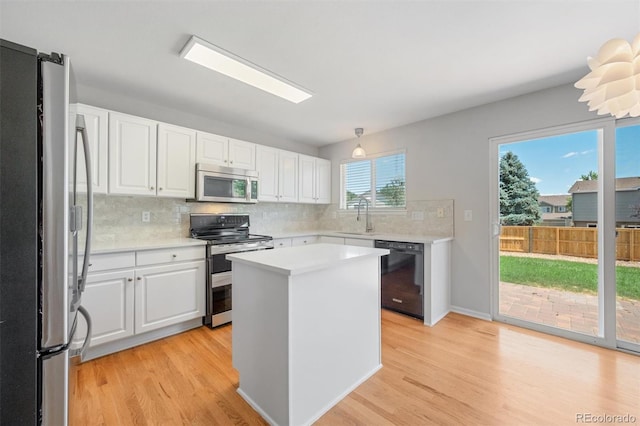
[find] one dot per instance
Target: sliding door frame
(606, 335)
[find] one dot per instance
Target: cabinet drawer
(303, 241)
(281, 242)
(176, 254)
(106, 261)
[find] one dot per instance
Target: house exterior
(554, 211)
(585, 207)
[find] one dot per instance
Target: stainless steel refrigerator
(44, 220)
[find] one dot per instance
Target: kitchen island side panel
(260, 340)
(334, 335)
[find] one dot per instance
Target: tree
(569, 203)
(351, 199)
(518, 194)
(393, 193)
(590, 176)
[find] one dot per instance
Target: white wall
(204, 122)
(448, 158)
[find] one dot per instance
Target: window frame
(371, 158)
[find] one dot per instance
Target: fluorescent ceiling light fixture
(224, 62)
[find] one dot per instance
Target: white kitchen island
(306, 327)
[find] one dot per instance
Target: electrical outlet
(417, 215)
(440, 212)
(146, 216)
(468, 215)
(265, 215)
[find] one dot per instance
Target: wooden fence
(580, 242)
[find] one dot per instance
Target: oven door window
(220, 264)
(216, 186)
(221, 298)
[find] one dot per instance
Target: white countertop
(426, 239)
(303, 259)
(133, 245)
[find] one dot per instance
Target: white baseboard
(139, 339)
(471, 313)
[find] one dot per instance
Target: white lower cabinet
(108, 297)
(281, 242)
(303, 241)
(330, 240)
(137, 296)
(168, 294)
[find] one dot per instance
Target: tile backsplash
(119, 218)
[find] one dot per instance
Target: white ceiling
(371, 64)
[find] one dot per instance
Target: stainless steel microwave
(221, 184)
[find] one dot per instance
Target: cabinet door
(288, 176)
(242, 154)
(108, 297)
(96, 120)
(307, 179)
(176, 162)
(267, 166)
(168, 294)
(132, 155)
(212, 149)
(323, 181)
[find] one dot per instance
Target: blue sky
(555, 163)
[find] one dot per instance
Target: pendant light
(612, 85)
(358, 152)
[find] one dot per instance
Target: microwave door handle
(81, 128)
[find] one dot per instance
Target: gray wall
(448, 158)
(131, 105)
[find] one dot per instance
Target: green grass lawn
(570, 276)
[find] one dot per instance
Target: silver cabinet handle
(151, 188)
(159, 189)
(174, 255)
(138, 278)
(231, 161)
(129, 279)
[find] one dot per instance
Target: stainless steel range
(225, 234)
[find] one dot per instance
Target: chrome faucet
(369, 226)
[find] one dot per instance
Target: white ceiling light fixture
(217, 59)
(358, 152)
(613, 85)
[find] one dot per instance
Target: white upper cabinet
(288, 176)
(176, 161)
(277, 174)
(242, 154)
(223, 151)
(323, 181)
(212, 149)
(96, 120)
(132, 155)
(314, 180)
(150, 158)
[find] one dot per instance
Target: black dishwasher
(402, 277)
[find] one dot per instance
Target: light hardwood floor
(462, 371)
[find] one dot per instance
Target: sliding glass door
(554, 247)
(628, 234)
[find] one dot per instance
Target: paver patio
(572, 311)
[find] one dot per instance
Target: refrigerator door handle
(82, 129)
(87, 338)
